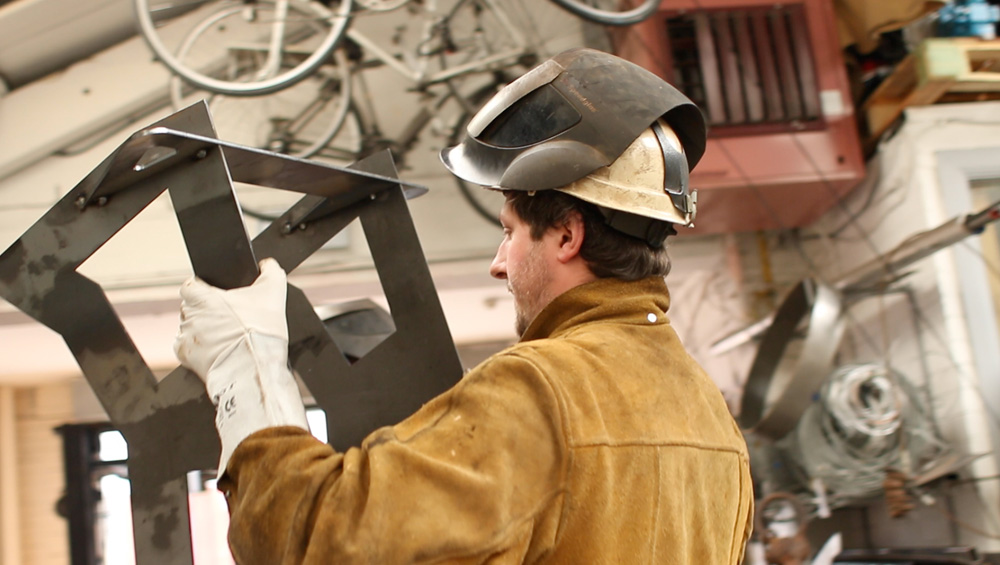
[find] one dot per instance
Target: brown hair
(608, 252)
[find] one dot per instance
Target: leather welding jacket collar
(595, 439)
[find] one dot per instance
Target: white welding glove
(237, 342)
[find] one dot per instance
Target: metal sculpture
(169, 423)
(773, 414)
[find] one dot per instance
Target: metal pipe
(884, 269)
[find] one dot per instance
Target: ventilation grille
(746, 66)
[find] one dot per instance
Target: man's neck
(568, 276)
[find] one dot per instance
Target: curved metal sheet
(820, 306)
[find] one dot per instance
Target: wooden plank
(900, 83)
(883, 111)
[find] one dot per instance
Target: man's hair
(608, 252)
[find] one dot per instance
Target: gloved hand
(237, 342)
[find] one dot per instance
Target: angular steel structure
(169, 424)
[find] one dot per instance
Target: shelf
(938, 69)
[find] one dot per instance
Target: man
(595, 439)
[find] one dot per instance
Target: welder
(596, 438)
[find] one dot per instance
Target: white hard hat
(648, 179)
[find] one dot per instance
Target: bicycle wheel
(481, 28)
(549, 29)
(612, 17)
(264, 205)
(260, 47)
(349, 143)
(485, 202)
(298, 120)
(477, 37)
(381, 5)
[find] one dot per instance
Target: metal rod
(81, 498)
(885, 269)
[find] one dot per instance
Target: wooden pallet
(939, 68)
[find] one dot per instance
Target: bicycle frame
(418, 71)
(275, 47)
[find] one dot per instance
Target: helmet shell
(635, 181)
(567, 117)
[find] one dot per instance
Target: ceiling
(39, 37)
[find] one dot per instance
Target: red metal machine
(783, 143)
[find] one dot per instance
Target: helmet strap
(675, 175)
(654, 232)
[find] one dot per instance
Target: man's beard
(530, 290)
(521, 320)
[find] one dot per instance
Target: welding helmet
(592, 125)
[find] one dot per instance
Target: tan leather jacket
(595, 439)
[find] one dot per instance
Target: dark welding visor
(567, 117)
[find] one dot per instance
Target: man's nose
(498, 268)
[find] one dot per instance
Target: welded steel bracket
(169, 423)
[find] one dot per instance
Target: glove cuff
(253, 389)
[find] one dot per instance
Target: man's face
(523, 263)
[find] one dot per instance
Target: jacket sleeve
(475, 475)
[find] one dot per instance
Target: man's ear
(571, 235)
